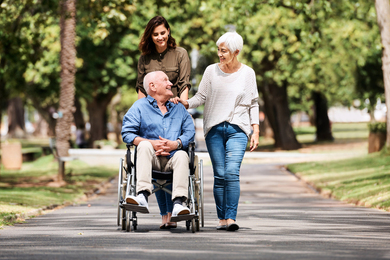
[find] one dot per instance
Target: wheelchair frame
(127, 181)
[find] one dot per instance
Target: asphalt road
(279, 217)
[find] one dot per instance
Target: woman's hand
(255, 137)
(176, 100)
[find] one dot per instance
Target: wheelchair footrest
(182, 217)
(135, 208)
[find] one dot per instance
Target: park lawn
(34, 187)
(362, 181)
(343, 133)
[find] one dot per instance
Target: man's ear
(152, 86)
(236, 52)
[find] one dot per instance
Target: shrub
(377, 127)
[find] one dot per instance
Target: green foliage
(377, 127)
(22, 24)
(328, 46)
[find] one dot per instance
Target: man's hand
(164, 146)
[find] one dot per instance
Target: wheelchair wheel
(128, 224)
(193, 227)
(120, 179)
(124, 219)
(188, 224)
(199, 189)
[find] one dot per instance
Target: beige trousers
(147, 160)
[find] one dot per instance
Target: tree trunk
(278, 114)
(15, 111)
(383, 15)
(97, 110)
(41, 127)
(47, 114)
(68, 70)
(322, 123)
(114, 117)
(78, 115)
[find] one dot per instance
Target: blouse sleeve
(184, 73)
(200, 97)
(140, 75)
(254, 108)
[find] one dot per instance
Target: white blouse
(230, 97)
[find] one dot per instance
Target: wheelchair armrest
(130, 164)
(191, 155)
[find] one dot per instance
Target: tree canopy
(296, 48)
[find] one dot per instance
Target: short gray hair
(147, 79)
(232, 40)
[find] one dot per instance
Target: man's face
(163, 86)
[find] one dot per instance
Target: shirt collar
(153, 102)
(161, 55)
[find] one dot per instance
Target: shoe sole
(182, 217)
(232, 227)
(223, 227)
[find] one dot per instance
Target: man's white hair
(147, 79)
(232, 40)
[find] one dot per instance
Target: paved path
(279, 218)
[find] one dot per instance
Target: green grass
(342, 132)
(28, 189)
(363, 180)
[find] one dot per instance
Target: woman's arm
(140, 78)
(183, 81)
(184, 94)
(200, 96)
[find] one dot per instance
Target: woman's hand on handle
(255, 137)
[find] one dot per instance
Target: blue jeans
(164, 201)
(226, 144)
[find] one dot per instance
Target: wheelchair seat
(162, 175)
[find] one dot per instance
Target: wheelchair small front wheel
(123, 219)
(193, 227)
(128, 224)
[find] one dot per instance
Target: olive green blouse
(174, 62)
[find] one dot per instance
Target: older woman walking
(229, 92)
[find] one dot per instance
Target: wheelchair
(127, 181)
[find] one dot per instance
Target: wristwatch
(179, 145)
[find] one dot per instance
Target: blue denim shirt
(144, 119)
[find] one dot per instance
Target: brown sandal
(171, 225)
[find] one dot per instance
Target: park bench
(31, 153)
(61, 159)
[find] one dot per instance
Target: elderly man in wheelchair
(161, 131)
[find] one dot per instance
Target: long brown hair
(146, 46)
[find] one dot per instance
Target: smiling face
(161, 87)
(224, 54)
(160, 38)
